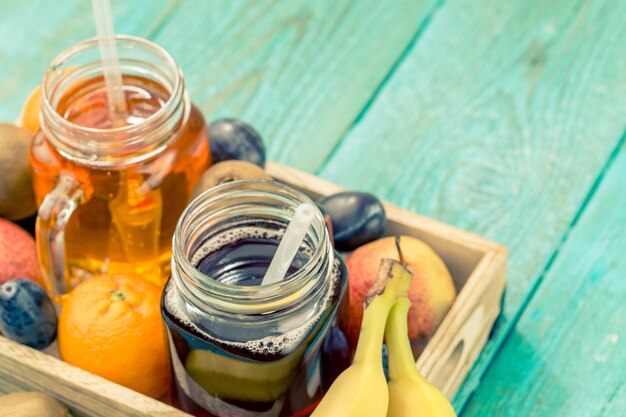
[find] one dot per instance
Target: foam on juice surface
(271, 345)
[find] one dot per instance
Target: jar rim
(128, 130)
(299, 282)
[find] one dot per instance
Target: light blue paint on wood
(33, 32)
(567, 354)
(300, 71)
(498, 121)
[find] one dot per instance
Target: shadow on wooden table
(508, 401)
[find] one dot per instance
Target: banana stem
(401, 361)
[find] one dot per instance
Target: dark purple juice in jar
(239, 348)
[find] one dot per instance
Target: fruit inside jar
(130, 209)
(244, 349)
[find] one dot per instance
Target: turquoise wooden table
(506, 118)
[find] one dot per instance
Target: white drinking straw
(289, 244)
(108, 54)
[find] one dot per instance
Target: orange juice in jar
(111, 191)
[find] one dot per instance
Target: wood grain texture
(300, 71)
(567, 354)
(498, 121)
(26, 369)
(35, 31)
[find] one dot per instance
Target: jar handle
(54, 213)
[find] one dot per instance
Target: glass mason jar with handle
(240, 348)
(111, 191)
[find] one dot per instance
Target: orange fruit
(111, 326)
(29, 118)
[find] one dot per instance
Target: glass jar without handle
(240, 348)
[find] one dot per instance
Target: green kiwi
(17, 198)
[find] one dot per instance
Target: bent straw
(110, 61)
(289, 244)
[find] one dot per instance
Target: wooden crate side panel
(456, 344)
(85, 394)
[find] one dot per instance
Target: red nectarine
(18, 256)
(432, 289)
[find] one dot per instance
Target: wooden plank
(35, 31)
(498, 121)
(567, 353)
(298, 70)
(26, 369)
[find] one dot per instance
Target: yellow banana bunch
(410, 395)
(361, 390)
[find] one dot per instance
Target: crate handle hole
(450, 365)
(445, 376)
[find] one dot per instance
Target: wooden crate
(477, 265)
